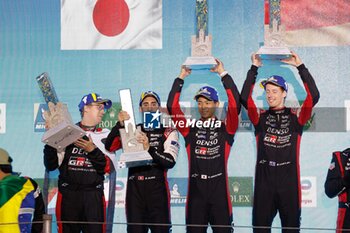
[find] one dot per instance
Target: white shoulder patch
(171, 144)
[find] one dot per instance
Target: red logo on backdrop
(111, 16)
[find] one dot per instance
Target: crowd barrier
(48, 222)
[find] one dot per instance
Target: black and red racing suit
(338, 184)
(147, 193)
(80, 187)
(278, 134)
(208, 148)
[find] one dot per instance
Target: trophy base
(200, 63)
(134, 159)
(273, 53)
(62, 135)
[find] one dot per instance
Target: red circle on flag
(111, 16)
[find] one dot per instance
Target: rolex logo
(235, 187)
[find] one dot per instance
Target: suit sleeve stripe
(174, 108)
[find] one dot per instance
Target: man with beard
(147, 194)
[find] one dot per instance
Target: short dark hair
(6, 168)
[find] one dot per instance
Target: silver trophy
(133, 153)
(201, 57)
(61, 130)
(274, 47)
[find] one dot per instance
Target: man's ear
(86, 109)
(140, 109)
(284, 94)
(217, 104)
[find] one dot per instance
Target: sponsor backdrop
(145, 53)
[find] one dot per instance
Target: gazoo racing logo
(154, 120)
(270, 138)
(201, 150)
(79, 161)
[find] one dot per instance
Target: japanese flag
(316, 22)
(111, 24)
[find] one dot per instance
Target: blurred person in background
(338, 184)
(21, 201)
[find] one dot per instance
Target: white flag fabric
(316, 22)
(111, 24)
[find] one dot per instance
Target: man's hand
(294, 60)
(219, 68)
(86, 145)
(256, 60)
(184, 72)
(142, 138)
(123, 116)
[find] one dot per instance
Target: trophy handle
(126, 103)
